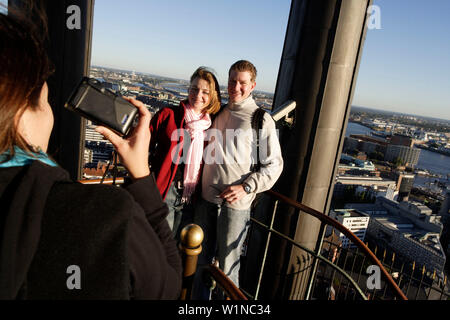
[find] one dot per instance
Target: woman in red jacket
(177, 145)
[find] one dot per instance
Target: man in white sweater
(229, 185)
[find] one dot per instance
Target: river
(435, 163)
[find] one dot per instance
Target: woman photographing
(116, 240)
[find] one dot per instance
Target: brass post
(190, 246)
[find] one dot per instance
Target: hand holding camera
(115, 116)
(133, 149)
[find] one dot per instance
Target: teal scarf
(22, 158)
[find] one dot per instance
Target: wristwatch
(247, 188)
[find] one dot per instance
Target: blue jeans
(225, 230)
(180, 214)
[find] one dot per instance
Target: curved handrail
(320, 257)
(232, 291)
(350, 235)
(230, 288)
(190, 246)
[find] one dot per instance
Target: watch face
(247, 189)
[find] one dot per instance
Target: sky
(3, 4)
(174, 37)
(405, 66)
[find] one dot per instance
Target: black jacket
(119, 240)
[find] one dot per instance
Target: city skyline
(405, 65)
(354, 107)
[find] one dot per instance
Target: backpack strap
(257, 123)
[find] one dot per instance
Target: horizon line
(401, 113)
(273, 93)
(168, 77)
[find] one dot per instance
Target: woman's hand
(133, 150)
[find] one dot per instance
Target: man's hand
(233, 193)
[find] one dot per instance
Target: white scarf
(196, 125)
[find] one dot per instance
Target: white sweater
(231, 151)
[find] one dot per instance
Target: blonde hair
(214, 89)
(242, 66)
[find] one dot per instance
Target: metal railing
(190, 247)
(323, 269)
(339, 272)
(223, 284)
(417, 282)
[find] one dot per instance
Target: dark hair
(24, 68)
(215, 98)
(244, 65)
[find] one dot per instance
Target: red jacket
(163, 124)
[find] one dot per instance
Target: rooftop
(401, 224)
(350, 213)
(396, 223)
